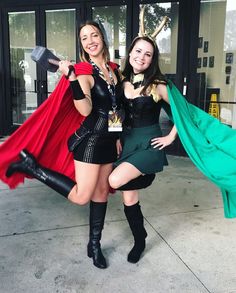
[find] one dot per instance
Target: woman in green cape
(209, 143)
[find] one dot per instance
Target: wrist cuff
(77, 90)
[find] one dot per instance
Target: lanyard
(111, 87)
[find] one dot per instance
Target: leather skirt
(98, 147)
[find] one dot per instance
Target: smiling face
(141, 55)
(91, 40)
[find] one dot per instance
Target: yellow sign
(214, 109)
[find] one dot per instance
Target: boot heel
(12, 169)
(89, 252)
(27, 164)
(136, 252)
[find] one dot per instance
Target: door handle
(40, 86)
(35, 86)
(43, 87)
(185, 87)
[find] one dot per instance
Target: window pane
(113, 19)
(216, 60)
(60, 38)
(23, 69)
(167, 38)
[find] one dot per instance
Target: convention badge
(114, 121)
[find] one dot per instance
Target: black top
(101, 100)
(141, 111)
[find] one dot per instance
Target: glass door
(22, 69)
(217, 60)
(44, 26)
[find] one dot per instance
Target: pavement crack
(178, 256)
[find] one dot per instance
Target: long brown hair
(153, 72)
(84, 56)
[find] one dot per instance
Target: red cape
(46, 131)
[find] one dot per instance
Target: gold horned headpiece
(143, 33)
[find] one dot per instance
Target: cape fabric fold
(210, 144)
(44, 134)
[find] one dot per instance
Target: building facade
(197, 46)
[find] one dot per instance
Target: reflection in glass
(167, 38)
(61, 38)
(113, 19)
(218, 78)
(23, 69)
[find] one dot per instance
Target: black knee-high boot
(29, 166)
(96, 222)
(135, 219)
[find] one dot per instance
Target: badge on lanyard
(114, 121)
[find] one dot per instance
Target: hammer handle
(53, 61)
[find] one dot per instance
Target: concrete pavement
(191, 247)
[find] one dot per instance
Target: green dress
(140, 126)
(210, 144)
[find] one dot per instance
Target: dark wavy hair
(153, 72)
(85, 56)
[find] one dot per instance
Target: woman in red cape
(77, 108)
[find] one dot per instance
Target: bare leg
(102, 188)
(92, 183)
(130, 197)
(122, 174)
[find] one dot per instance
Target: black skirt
(97, 149)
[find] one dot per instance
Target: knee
(80, 200)
(80, 197)
(130, 197)
(130, 201)
(114, 181)
(101, 193)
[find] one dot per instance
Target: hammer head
(45, 58)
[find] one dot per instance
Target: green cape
(210, 144)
